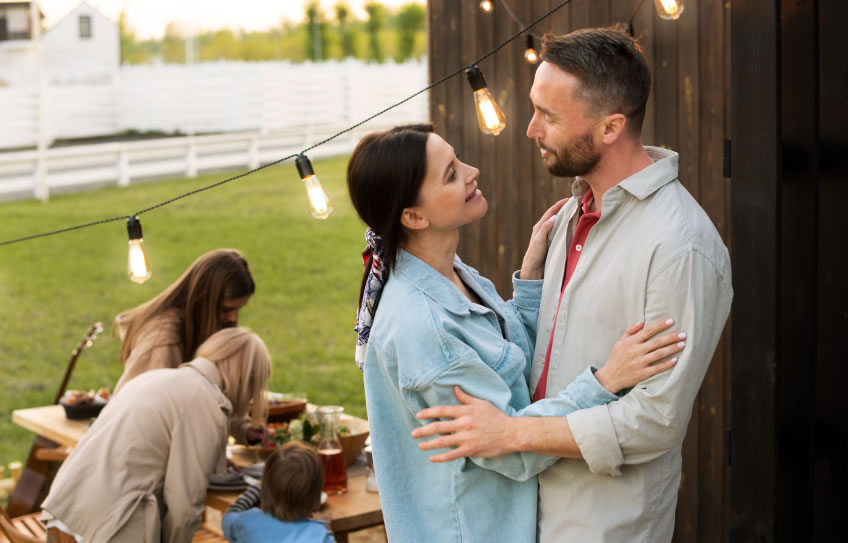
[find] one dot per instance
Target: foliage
(317, 42)
(399, 35)
(411, 19)
(307, 275)
(376, 20)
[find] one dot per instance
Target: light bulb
(486, 6)
(489, 116)
(320, 205)
(138, 266)
(669, 9)
(530, 55)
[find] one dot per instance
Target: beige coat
(142, 468)
(654, 254)
(158, 345)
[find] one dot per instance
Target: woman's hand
(533, 266)
(635, 355)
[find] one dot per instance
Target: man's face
(560, 124)
(228, 312)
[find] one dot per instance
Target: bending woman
(428, 322)
(140, 472)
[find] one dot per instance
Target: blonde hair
(245, 367)
(197, 296)
(291, 482)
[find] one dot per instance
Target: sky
(149, 17)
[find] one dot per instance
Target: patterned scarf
(377, 276)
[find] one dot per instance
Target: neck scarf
(377, 276)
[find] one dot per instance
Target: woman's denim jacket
(426, 338)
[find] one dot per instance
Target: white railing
(262, 112)
(70, 168)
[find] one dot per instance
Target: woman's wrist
(606, 381)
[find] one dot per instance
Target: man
(630, 245)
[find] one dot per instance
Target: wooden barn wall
(688, 111)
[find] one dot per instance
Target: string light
(317, 200)
(507, 41)
(530, 55)
(486, 6)
(669, 9)
(138, 266)
(489, 116)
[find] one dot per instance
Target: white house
(83, 47)
(17, 55)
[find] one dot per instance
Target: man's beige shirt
(653, 254)
(147, 459)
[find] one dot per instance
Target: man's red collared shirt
(584, 224)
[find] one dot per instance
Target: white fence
(266, 110)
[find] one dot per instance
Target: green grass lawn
(52, 289)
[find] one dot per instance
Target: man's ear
(613, 127)
(413, 220)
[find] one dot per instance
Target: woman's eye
(452, 176)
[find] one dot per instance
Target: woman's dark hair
(384, 176)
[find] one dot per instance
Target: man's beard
(578, 158)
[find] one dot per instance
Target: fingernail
(669, 322)
(681, 344)
(552, 219)
(638, 323)
(682, 335)
(674, 360)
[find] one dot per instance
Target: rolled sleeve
(652, 418)
(526, 297)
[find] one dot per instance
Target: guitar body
(34, 482)
(36, 477)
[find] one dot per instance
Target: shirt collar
(644, 182)
(208, 369)
(436, 286)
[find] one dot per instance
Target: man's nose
(532, 130)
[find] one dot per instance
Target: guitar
(30, 489)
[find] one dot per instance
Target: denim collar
(642, 183)
(439, 288)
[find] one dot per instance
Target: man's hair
(608, 64)
(291, 482)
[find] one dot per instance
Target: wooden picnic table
(354, 510)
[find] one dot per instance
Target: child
(290, 492)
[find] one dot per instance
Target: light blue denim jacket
(426, 338)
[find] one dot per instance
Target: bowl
(352, 443)
(82, 411)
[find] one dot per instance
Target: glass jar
(330, 450)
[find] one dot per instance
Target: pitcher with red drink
(330, 450)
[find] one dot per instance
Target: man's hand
(256, 434)
(478, 429)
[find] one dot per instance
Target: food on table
(81, 397)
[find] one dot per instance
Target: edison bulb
(530, 54)
(489, 116)
(138, 266)
(486, 6)
(669, 9)
(320, 205)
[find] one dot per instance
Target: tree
(376, 20)
(342, 15)
(173, 45)
(318, 44)
(410, 20)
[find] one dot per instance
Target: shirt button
(579, 247)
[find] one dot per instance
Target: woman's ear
(413, 220)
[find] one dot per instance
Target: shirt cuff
(526, 293)
(595, 437)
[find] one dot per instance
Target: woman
(428, 322)
(140, 472)
(165, 331)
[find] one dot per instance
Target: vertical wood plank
(712, 196)
(644, 32)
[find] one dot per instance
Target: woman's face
(449, 197)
